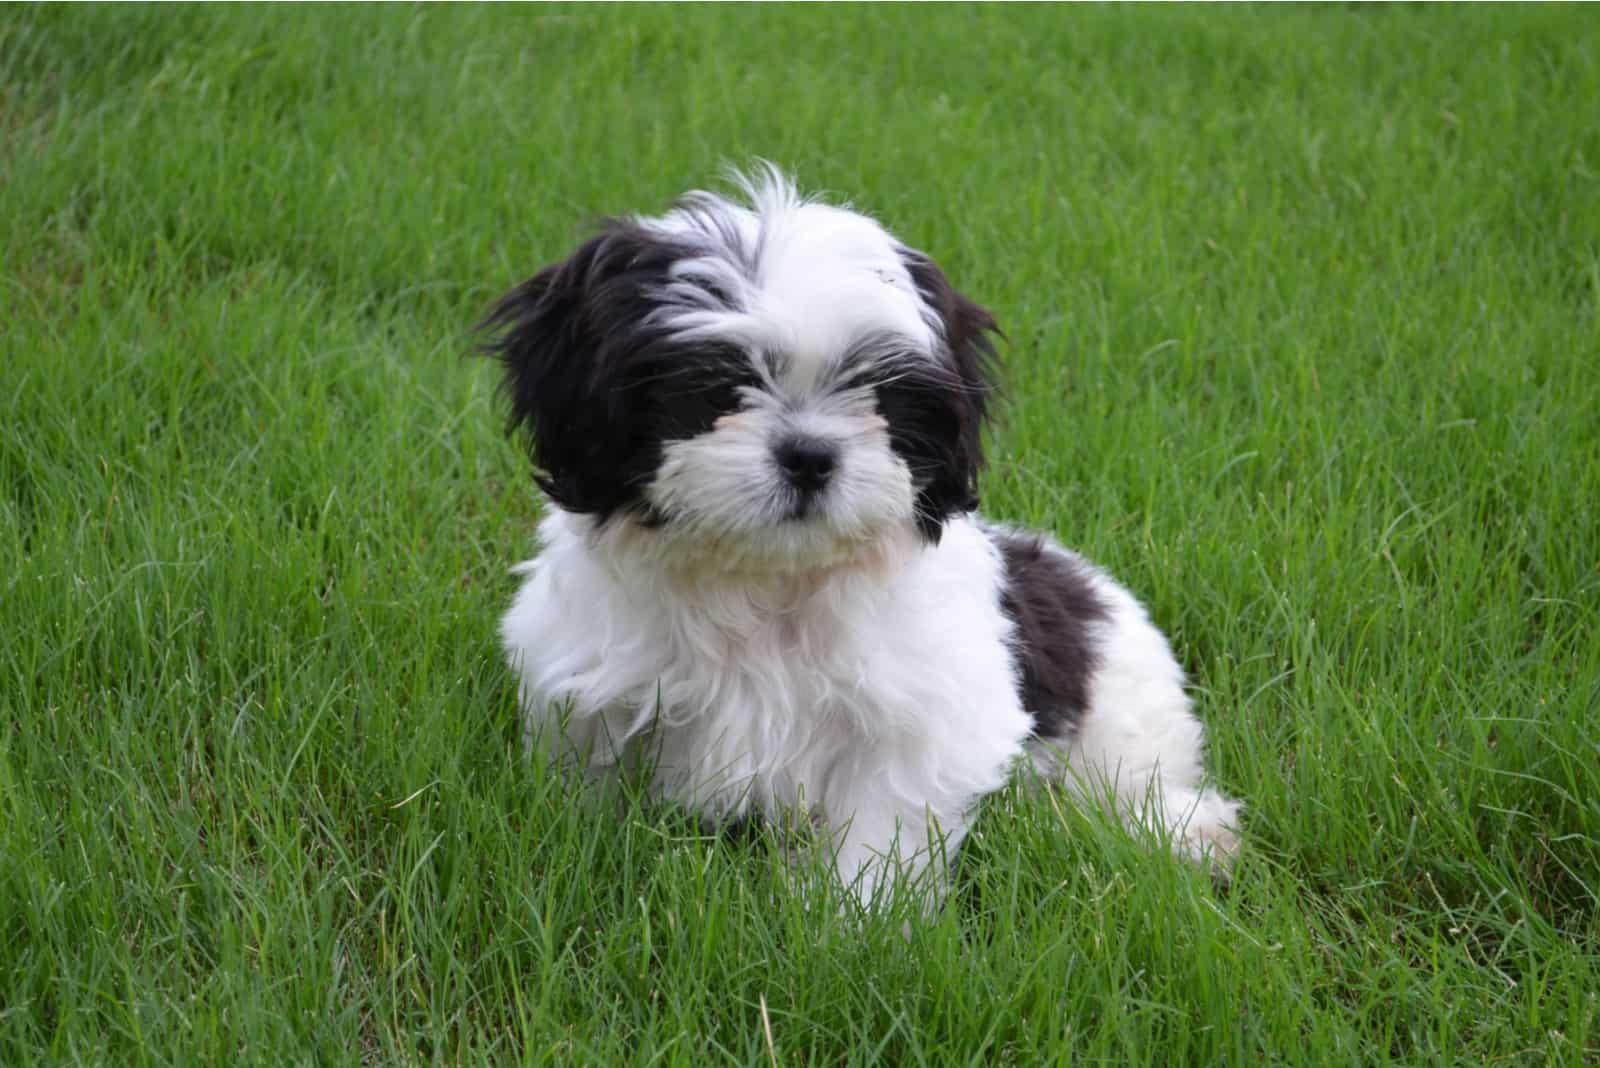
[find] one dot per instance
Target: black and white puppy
(758, 428)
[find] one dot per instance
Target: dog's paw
(1206, 831)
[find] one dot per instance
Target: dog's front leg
(886, 845)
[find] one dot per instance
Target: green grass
(1303, 344)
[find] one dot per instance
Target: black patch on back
(1052, 601)
(599, 387)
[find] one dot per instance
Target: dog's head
(777, 385)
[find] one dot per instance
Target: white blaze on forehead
(807, 281)
(830, 278)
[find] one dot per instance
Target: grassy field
(1303, 344)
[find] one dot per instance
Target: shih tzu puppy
(757, 425)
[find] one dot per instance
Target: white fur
(878, 698)
(832, 662)
(1139, 744)
(729, 502)
(874, 695)
(801, 271)
(811, 283)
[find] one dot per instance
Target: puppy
(762, 577)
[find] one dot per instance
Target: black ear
(565, 338)
(954, 415)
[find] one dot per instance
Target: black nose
(806, 462)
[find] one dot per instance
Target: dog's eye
(922, 411)
(725, 396)
(689, 395)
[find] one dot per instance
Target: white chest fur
(890, 674)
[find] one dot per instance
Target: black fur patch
(936, 414)
(1053, 602)
(601, 389)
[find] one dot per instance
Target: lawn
(1303, 319)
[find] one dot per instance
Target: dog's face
(774, 387)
